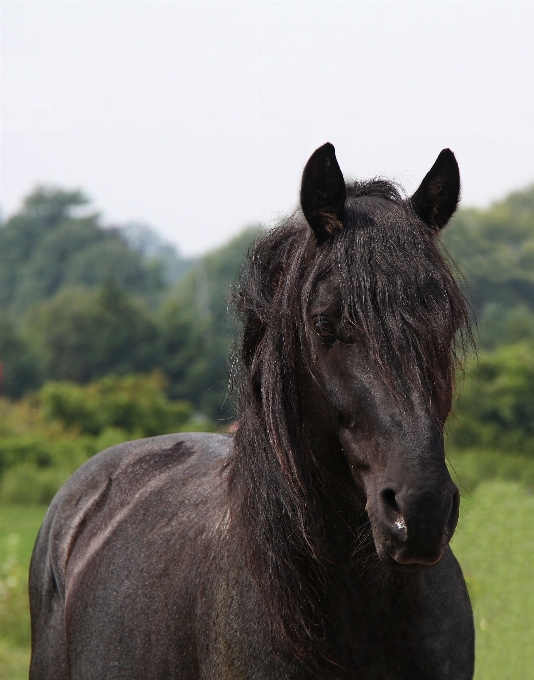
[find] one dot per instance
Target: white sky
(197, 117)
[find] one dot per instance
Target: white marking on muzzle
(400, 524)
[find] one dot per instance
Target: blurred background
(144, 145)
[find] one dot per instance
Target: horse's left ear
(437, 198)
(323, 193)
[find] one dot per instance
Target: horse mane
(399, 290)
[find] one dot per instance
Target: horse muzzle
(411, 530)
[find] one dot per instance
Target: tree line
(79, 300)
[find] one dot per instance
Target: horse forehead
(373, 208)
(371, 201)
(326, 297)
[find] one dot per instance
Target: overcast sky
(197, 117)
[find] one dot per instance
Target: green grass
(495, 546)
(23, 521)
(470, 467)
(18, 529)
(494, 543)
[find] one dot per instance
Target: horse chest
(362, 637)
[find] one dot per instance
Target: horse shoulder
(124, 530)
(114, 482)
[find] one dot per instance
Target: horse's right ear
(323, 193)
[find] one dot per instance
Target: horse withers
(314, 542)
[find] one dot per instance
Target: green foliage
(502, 325)
(20, 366)
(469, 467)
(45, 438)
(83, 334)
(66, 286)
(133, 403)
(18, 529)
(79, 296)
(20, 237)
(45, 247)
(494, 543)
(27, 485)
(86, 301)
(34, 466)
(496, 405)
(159, 255)
(494, 248)
(49, 246)
(197, 331)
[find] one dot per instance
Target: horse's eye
(324, 329)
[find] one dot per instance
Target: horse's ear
(323, 193)
(437, 198)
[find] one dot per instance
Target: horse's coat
(314, 543)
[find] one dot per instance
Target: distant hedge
(495, 407)
(45, 437)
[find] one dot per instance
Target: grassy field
(494, 543)
(18, 529)
(495, 546)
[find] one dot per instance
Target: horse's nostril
(391, 511)
(388, 498)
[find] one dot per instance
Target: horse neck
(326, 517)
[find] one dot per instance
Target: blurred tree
(42, 275)
(494, 248)
(159, 254)
(83, 334)
(197, 329)
(20, 368)
(136, 404)
(47, 247)
(111, 257)
(500, 324)
(69, 283)
(496, 405)
(20, 236)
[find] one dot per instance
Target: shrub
(496, 405)
(134, 403)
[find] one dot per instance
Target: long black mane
(401, 298)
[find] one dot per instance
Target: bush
(35, 467)
(136, 404)
(83, 334)
(496, 405)
(27, 485)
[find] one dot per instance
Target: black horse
(314, 543)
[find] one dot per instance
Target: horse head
(381, 310)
